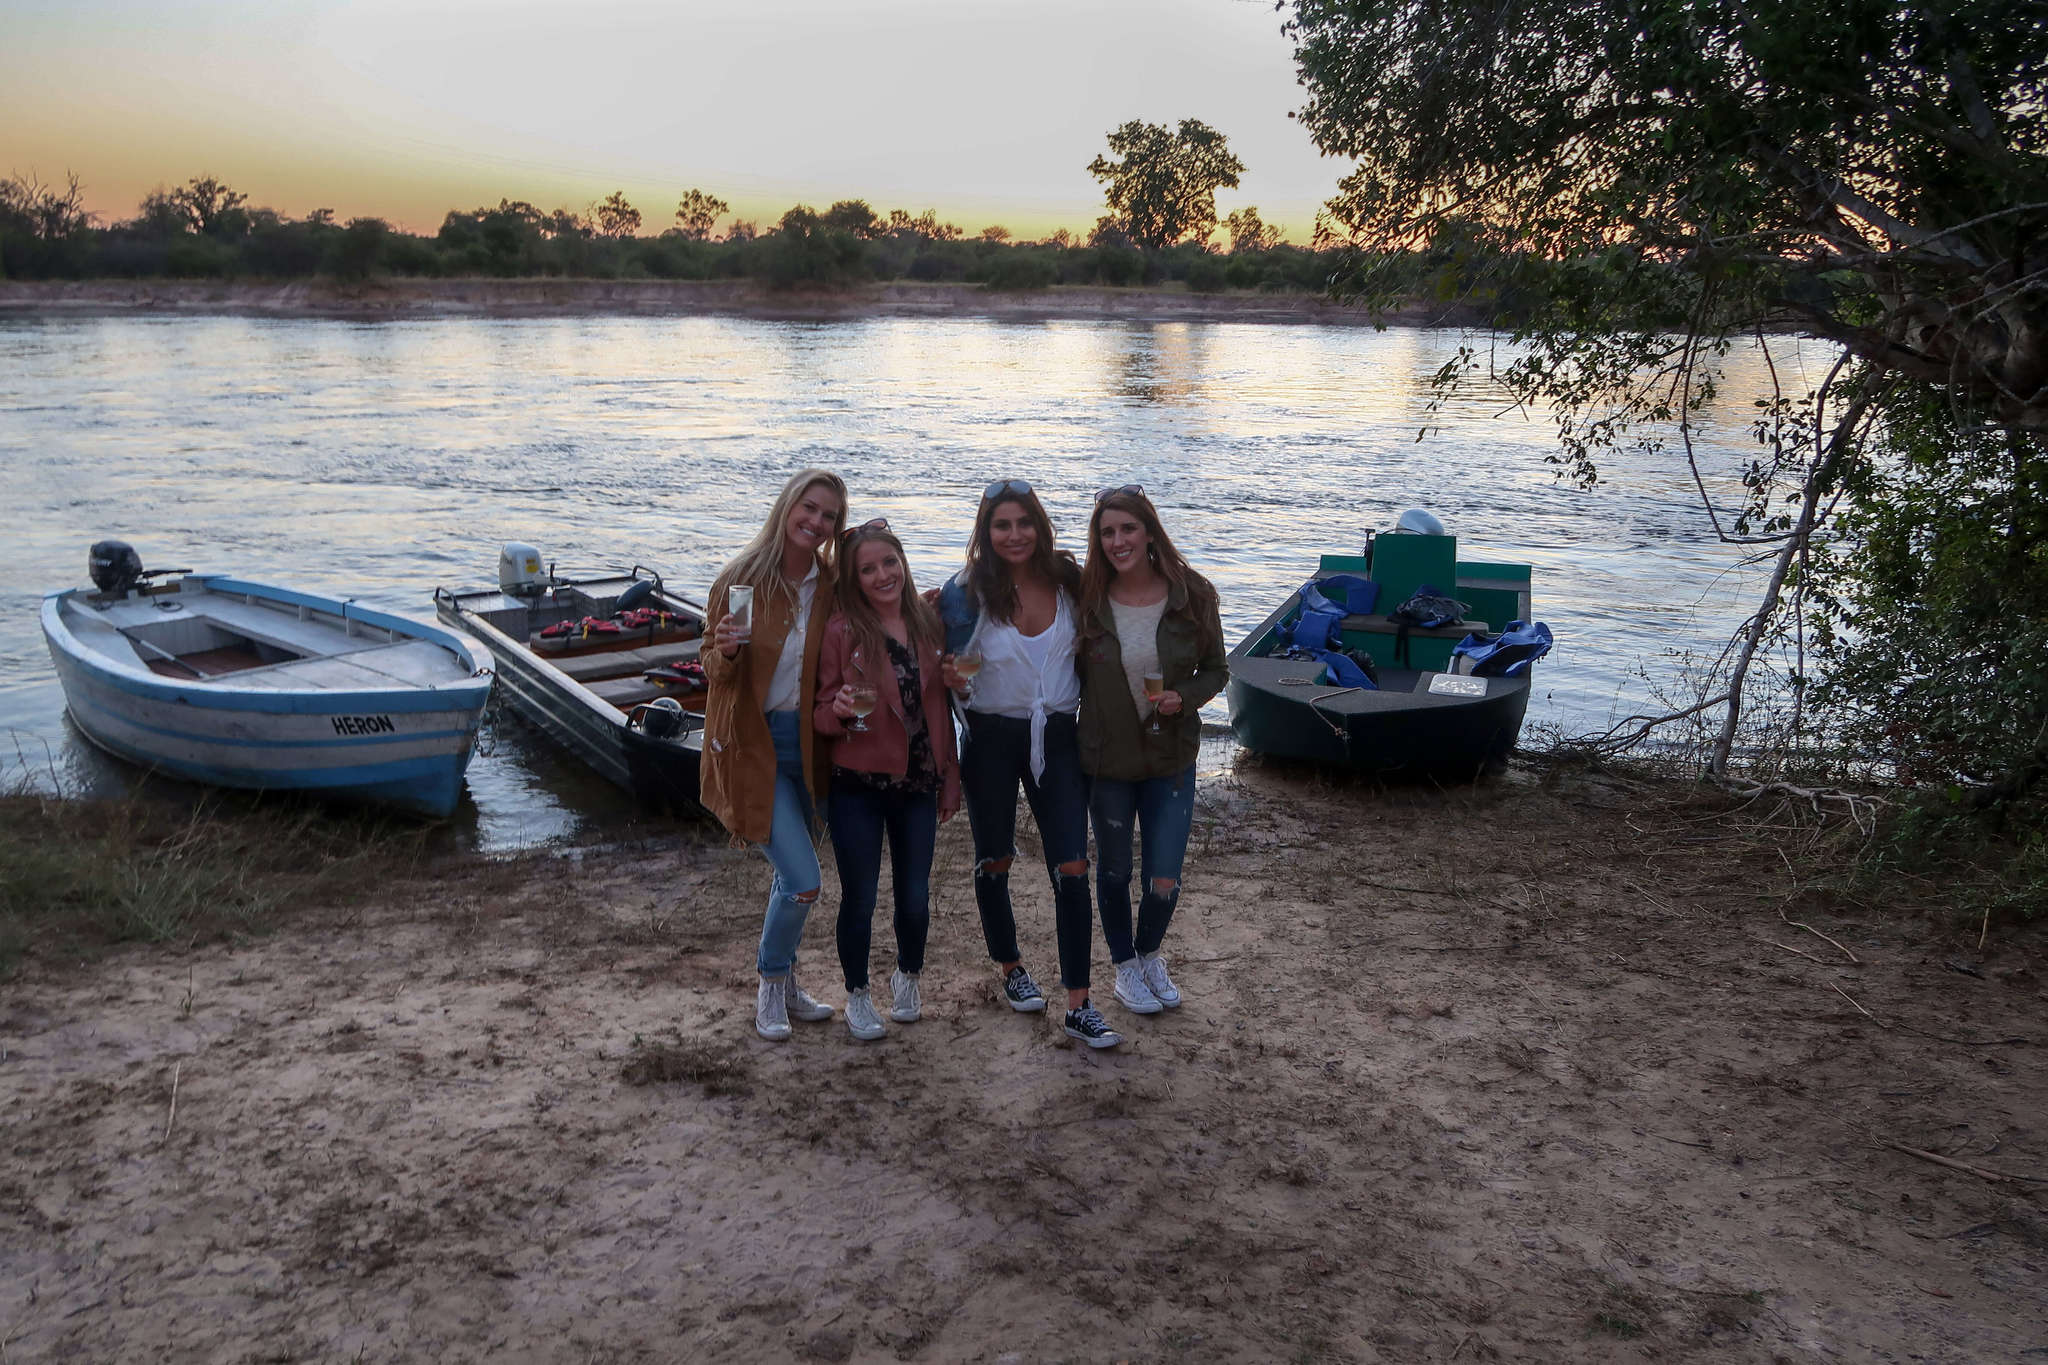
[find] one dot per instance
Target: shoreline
(415, 299)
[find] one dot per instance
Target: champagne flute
(967, 663)
(1155, 683)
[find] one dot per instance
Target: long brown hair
(988, 577)
(760, 562)
(1095, 579)
(863, 623)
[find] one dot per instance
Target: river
(379, 460)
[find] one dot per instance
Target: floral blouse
(921, 775)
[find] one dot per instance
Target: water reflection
(381, 460)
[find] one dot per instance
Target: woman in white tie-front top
(1013, 607)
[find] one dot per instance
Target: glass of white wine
(967, 663)
(861, 698)
(1155, 683)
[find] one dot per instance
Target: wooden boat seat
(627, 693)
(1378, 624)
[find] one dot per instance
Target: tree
(43, 211)
(995, 233)
(1162, 188)
(854, 216)
(1641, 183)
(1249, 233)
(212, 208)
(697, 213)
(615, 218)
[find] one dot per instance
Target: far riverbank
(521, 298)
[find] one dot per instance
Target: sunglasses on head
(1136, 490)
(1006, 487)
(878, 524)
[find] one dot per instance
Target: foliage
(211, 208)
(1639, 186)
(697, 213)
(1248, 232)
(1933, 606)
(615, 217)
(1162, 185)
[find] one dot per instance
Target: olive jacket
(738, 775)
(1116, 742)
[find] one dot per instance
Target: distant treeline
(205, 230)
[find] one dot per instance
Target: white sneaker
(803, 1006)
(908, 1006)
(1158, 982)
(861, 1020)
(1131, 991)
(771, 1009)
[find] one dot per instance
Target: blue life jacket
(1508, 654)
(1325, 602)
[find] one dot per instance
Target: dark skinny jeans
(997, 758)
(861, 817)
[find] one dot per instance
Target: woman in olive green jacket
(1150, 655)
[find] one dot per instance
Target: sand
(1532, 1072)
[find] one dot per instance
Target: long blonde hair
(760, 563)
(863, 624)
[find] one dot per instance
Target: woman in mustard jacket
(760, 773)
(886, 711)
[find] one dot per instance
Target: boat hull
(400, 747)
(1402, 729)
(656, 772)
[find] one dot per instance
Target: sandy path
(1548, 1093)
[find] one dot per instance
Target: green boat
(1425, 719)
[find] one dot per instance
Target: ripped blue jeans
(789, 849)
(1162, 809)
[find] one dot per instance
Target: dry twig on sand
(1964, 1166)
(172, 1117)
(1818, 934)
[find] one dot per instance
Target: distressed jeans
(1162, 809)
(997, 758)
(789, 849)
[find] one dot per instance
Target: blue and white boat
(241, 684)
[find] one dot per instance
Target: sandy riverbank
(1532, 1072)
(403, 299)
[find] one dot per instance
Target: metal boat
(242, 684)
(594, 695)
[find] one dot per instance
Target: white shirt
(1028, 677)
(786, 688)
(1137, 635)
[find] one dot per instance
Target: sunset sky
(403, 109)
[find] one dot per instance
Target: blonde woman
(761, 774)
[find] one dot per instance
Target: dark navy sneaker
(1022, 992)
(1087, 1024)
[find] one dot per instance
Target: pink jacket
(885, 748)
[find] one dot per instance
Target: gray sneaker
(1021, 992)
(1131, 991)
(771, 1009)
(1158, 982)
(861, 1020)
(908, 1005)
(803, 1006)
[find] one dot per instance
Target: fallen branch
(1861, 808)
(1796, 952)
(1859, 1009)
(1981, 1172)
(172, 1117)
(1818, 934)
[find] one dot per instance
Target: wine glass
(967, 663)
(862, 699)
(1155, 683)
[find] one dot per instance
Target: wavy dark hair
(988, 577)
(1095, 579)
(863, 623)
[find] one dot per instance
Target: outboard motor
(662, 718)
(1416, 522)
(520, 573)
(114, 565)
